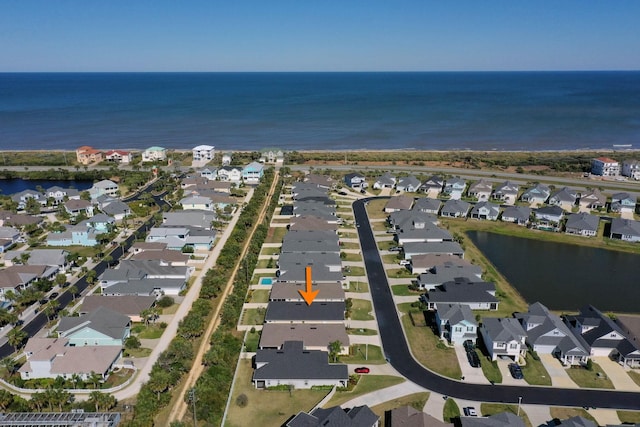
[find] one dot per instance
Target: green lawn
(151, 332)
(361, 310)
(416, 401)
(487, 409)
(534, 372)
(275, 234)
(566, 413)
(489, 368)
(268, 408)
(400, 273)
(404, 291)
(349, 245)
(360, 331)
(629, 417)
(357, 353)
(351, 257)
(137, 352)
(375, 209)
(259, 295)
(266, 263)
(450, 411)
(253, 316)
(354, 271)
(270, 251)
(252, 340)
(430, 351)
(358, 286)
(590, 379)
(366, 384)
(390, 258)
(635, 376)
(171, 309)
(379, 226)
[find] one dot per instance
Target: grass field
(361, 310)
(355, 271)
(251, 341)
(450, 411)
(259, 295)
(253, 316)
(358, 286)
(351, 257)
(629, 417)
(487, 409)
(266, 407)
(400, 273)
(358, 352)
(375, 209)
(275, 234)
(366, 384)
(416, 401)
(490, 368)
(635, 376)
(534, 372)
(565, 413)
(151, 332)
(590, 379)
(404, 291)
(270, 251)
(360, 331)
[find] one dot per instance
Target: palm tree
(146, 315)
(16, 337)
(73, 290)
(160, 381)
(95, 379)
(38, 400)
(10, 364)
(51, 308)
(6, 399)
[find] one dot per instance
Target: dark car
(342, 193)
(473, 359)
(516, 371)
(469, 345)
(395, 248)
(362, 370)
(43, 301)
(54, 295)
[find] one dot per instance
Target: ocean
(326, 111)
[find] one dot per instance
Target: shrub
(242, 400)
(165, 301)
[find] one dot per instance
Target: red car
(362, 370)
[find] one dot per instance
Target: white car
(470, 411)
(405, 262)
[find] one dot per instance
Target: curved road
(397, 351)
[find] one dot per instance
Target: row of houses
(249, 174)
(605, 166)
(87, 155)
(296, 336)
(56, 195)
(188, 230)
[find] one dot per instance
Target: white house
(203, 153)
(154, 154)
(504, 337)
(456, 323)
(605, 166)
(118, 156)
(226, 159)
(631, 168)
(197, 202)
(105, 186)
(230, 174)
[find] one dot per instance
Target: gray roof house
(481, 190)
(310, 241)
(454, 187)
(412, 219)
(292, 365)
(503, 419)
(408, 183)
(192, 218)
(447, 272)
(621, 202)
(548, 334)
(320, 180)
(299, 260)
(549, 215)
(485, 210)
(455, 208)
(424, 263)
(445, 248)
(503, 337)
(398, 203)
(593, 199)
(130, 306)
(116, 209)
(582, 224)
(433, 184)
(386, 180)
(315, 336)
(427, 204)
(517, 214)
(565, 197)
(577, 422)
(507, 192)
(359, 416)
(102, 326)
(536, 194)
(407, 416)
(300, 312)
(355, 180)
(477, 295)
(50, 257)
(291, 291)
(456, 323)
(427, 234)
(302, 223)
(625, 229)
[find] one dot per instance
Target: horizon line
(322, 71)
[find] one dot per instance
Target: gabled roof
(116, 207)
(102, 319)
(453, 206)
(300, 311)
(549, 210)
(577, 422)
(537, 191)
(456, 313)
(503, 329)
(503, 419)
(507, 187)
(455, 181)
(433, 248)
(399, 203)
(517, 212)
(494, 210)
(407, 416)
(407, 181)
(618, 197)
(564, 195)
(449, 271)
(126, 305)
(386, 179)
(432, 260)
(462, 291)
(604, 325)
(310, 222)
(428, 233)
(359, 416)
(583, 221)
(274, 335)
(292, 362)
(625, 227)
(480, 186)
(290, 291)
(320, 180)
(426, 204)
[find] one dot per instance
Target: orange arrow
(308, 295)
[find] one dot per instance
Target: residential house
(485, 210)
(203, 153)
(118, 156)
(294, 366)
(271, 156)
(76, 207)
(358, 416)
(593, 199)
(537, 194)
(105, 186)
(302, 223)
(582, 224)
(425, 263)
(564, 197)
(548, 334)
(578, 421)
(197, 203)
(81, 235)
(191, 218)
(18, 220)
(317, 209)
(327, 267)
(22, 198)
(406, 219)
(504, 337)
(163, 257)
(252, 173)
(55, 357)
(138, 247)
(146, 277)
(176, 238)
(321, 181)
(128, 305)
(101, 327)
(101, 223)
(446, 248)
(230, 174)
(9, 233)
(314, 336)
(386, 180)
(446, 272)
(58, 194)
(427, 204)
(409, 184)
(398, 203)
(517, 214)
(549, 216)
(17, 277)
(502, 419)
(476, 294)
(427, 234)
(408, 416)
(226, 159)
(481, 190)
(605, 166)
(623, 202)
(154, 154)
(86, 155)
(625, 229)
(454, 187)
(50, 257)
(629, 349)
(355, 180)
(116, 209)
(456, 323)
(631, 168)
(506, 192)
(209, 174)
(299, 312)
(455, 209)
(433, 186)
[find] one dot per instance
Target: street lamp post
(519, 402)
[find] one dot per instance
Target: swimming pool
(266, 281)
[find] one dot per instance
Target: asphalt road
(399, 356)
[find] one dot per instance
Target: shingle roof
(312, 334)
(102, 319)
(300, 311)
(503, 329)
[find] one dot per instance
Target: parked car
(363, 191)
(54, 295)
(391, 230)
(342, 193)
(43, 301)
(405, 262)
(468, 345)
(362, 370)
(470, 411)
(516, 371)
(473, 359)
(395, 248)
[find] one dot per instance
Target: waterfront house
(446, 272)
(625, 229)
(203, 153)
(209, 173)
(582, 224)
(314, 336)
(299, 368)
(549, 216)
(432, 186)
(358, 416)
(398, 203)
(565, 198)
(76, 207)
(604, 166)
(118, 156)
(406, 219)
(409, 184)
(427, 204)
(102, 327)
(504, 337)
(421, 248)
(631, 168)
(537, 194)
(116, 209)
(593, 199)
(477, 295)
(22, 197)
(485, 210)
(154, 154)
(58, 194)
(427, 234)
(424, 263)
(271, 156)
(252, 173)
(230, 174)
(481, 190)
(86, 155)
(517, 214)
(456, 323)
(506, 192)
(105, 186)
(548, 334)
(454, 187)
(355, 180)
(623, 202)
(386, 180)
(455, 209)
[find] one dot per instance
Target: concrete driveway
(617, 374)
(557, 372)
(507, 379)
(470, 374)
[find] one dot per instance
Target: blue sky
(318, 35)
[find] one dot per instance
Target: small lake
(11, 186)
(563, 276)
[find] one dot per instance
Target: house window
(513, 346)
(458, 329)
(469, 328)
